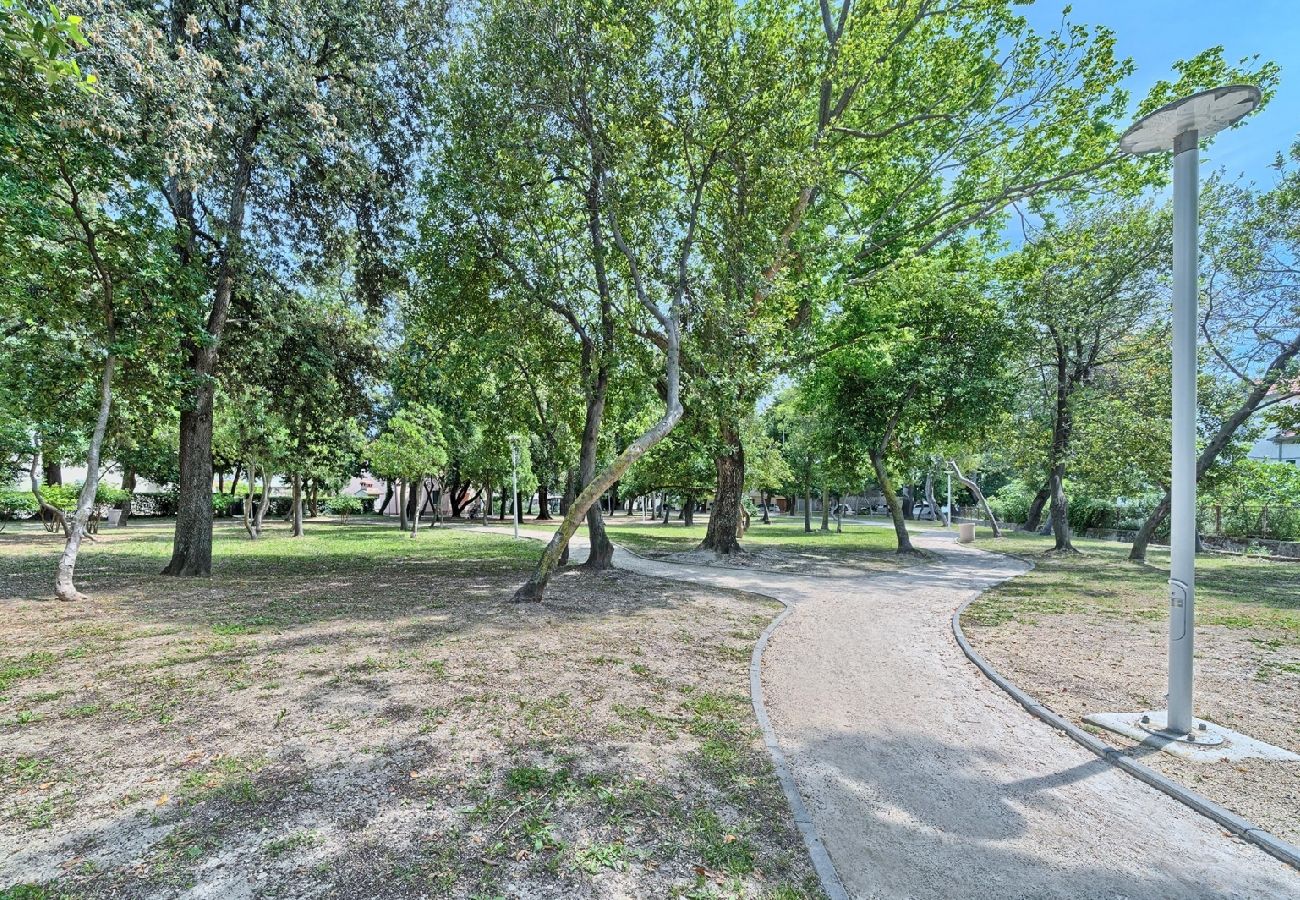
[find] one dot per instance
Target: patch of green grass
(14, 669)
(291, 843)
(721, 847)
(84, 711)
(525, 779)
(592, 858)
(1231, 592)
(228, 779)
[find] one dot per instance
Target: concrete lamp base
(1208, 743)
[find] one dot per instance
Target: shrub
(16, 504)
(343, 506)
(1010, 503)
(223, 503)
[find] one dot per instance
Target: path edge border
(821, 859)
(1274, 846)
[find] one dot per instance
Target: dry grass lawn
(356, 714)
(1088, 633)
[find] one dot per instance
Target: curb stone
(1234, 823)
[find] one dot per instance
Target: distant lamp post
(1181, 126)
(514, 467)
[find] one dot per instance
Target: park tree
(1250, 318)
(306, 118)
(1078, 292)
(935, 365)
(411, 448)
(92, 274)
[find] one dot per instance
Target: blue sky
(1155, 33)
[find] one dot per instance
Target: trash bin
(966, 533)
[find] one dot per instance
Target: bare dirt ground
(360, 715)
(1088, 634)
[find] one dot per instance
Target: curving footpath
(922, 779)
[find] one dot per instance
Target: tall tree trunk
(807, 506)
(978, 494)
(1062, 427)
(891, 499)
(1060, 510)
(1034, 518)
(766, 497)
(826, 509)
(53, 472)
(253, 533)
(501, 513)
(263, 502)
(192, 547)
(64, 588)
(403, 519)
(688, 511)
(128, 485)
(417, 486)
(543, 501)
(296, 511)
(221, 482)
(487, 509)
(234, 479)
(602, 551)
(929, 497)
(724, 514)
(314, 503)
(908, 503)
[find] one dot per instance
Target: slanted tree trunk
(47, 511)
(728, 498)
(1034, 518)
(891, 499)
(264, 502)
(64, 588)
(826, 509)
(534, 589)
(388, 494)
(929, 497)
(1256, 398)
(297, 511)
(978, 495)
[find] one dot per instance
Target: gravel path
(924, 780)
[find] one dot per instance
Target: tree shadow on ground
(933, 820)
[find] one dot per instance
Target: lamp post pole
(1180, 127)
(1182, 538)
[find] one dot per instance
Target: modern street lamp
(514, 467)
(1181, 126)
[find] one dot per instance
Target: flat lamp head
(1206, 113)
